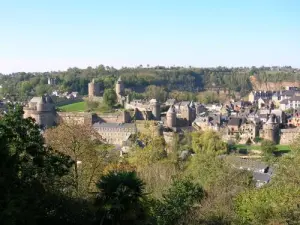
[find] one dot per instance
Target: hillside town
(265, 115)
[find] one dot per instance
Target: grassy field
(74, 107)
(83, 106)
(257, 147)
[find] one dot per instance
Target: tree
(268, 147)
(28, 171)
(153, 151)
(41, 89)
(120, 199)
(156, 92)
(177, 202)
(110, 97)
(84, 146)
(269, 205)
(221, 182)
(208, 141)
(26, 87)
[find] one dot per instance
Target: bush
(268, 147)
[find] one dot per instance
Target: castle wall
(43, 118)
(77, 117)
(47, 119)
(122, 117)
(270, 133)
(148, 127)
(287, 136)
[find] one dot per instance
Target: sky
(48, 35)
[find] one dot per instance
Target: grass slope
(74, 107)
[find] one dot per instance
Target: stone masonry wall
(287, 136)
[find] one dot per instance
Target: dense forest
(158, 79)
(65, 177)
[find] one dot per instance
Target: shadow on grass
(281, 152)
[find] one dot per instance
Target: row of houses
(284, 100)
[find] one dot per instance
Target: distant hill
(183, 79)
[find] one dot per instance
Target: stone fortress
(234, 121)
(116, 127)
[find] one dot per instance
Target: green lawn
(74, 107)
(257, 147)
(283, 147)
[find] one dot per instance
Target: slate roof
(264, 177)
(294, 98)
(235, 121)
(287, 93)
(114, 125)
(248, 164)
(284, 101)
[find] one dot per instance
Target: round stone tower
(93, 89)
(271, 129)
(186, 113)
(155, 109)
(119, 88)
(171, 117)
(42, 109)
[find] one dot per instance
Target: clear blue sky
(45, 35)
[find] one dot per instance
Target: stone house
(291, 103)
(207, 123)
(264, 115)
(248, 131)
(234, 125)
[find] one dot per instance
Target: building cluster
(284, 99)
(66, 95)
(262, 117)
(243, 122)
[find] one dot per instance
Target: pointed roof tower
(192, 104)
(171, 109)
